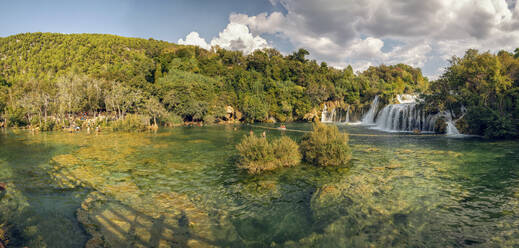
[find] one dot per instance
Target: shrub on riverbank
(258, 154)
(326, 146)
(131, 122)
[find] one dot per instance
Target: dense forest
(483, 90)
(47, 78)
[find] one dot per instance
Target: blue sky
(361, 33)
(165, 20)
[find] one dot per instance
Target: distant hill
(47, 56)
(191, 82)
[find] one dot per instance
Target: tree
(154, 108)
(300, 55)
(123, 99)
(70, 95)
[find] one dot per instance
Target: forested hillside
(58, 75)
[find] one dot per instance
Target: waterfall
(369, 118)
(347, 115)
(337, 115)
(328, 117)
(408, 116)
(324, 114)
(451, 129)
(404, 117)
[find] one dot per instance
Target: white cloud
(364, 53)
(235, 36)
(355, 32)
(193, 38)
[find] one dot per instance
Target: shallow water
(180, 187)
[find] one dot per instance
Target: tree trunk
(45, 116)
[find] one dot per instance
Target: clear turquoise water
(180, 187)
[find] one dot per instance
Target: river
(180, 188)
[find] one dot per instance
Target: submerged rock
(161, 220)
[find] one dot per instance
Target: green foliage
(487, 86)
(326, 146)
(15, 117)
(483, 120)
(131, 122)
(46, 56)
(254, 108)
(49, 125)
(189, 95)
(286, 151)
(258, 155)
(60, 75)
(172, 120)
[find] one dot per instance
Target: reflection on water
(179, 188)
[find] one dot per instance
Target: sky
(363, 33)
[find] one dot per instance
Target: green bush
(131, 122)
(286, 152)
(173, 120)
(16, 117)
(326, 146)
(258, 155)
(49, 125)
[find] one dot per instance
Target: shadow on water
(116, 224)
(34, 211)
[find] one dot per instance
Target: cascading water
(451, 129)
(327, 117)
(405, 117)
(324, 114)
(406, 98)
(408, 116)
(347, 115)
(338, 115)
(369, 117)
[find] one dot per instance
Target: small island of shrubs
(257, 154)
(324, 146)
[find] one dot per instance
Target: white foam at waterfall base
(451, 129)
(407, 98)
